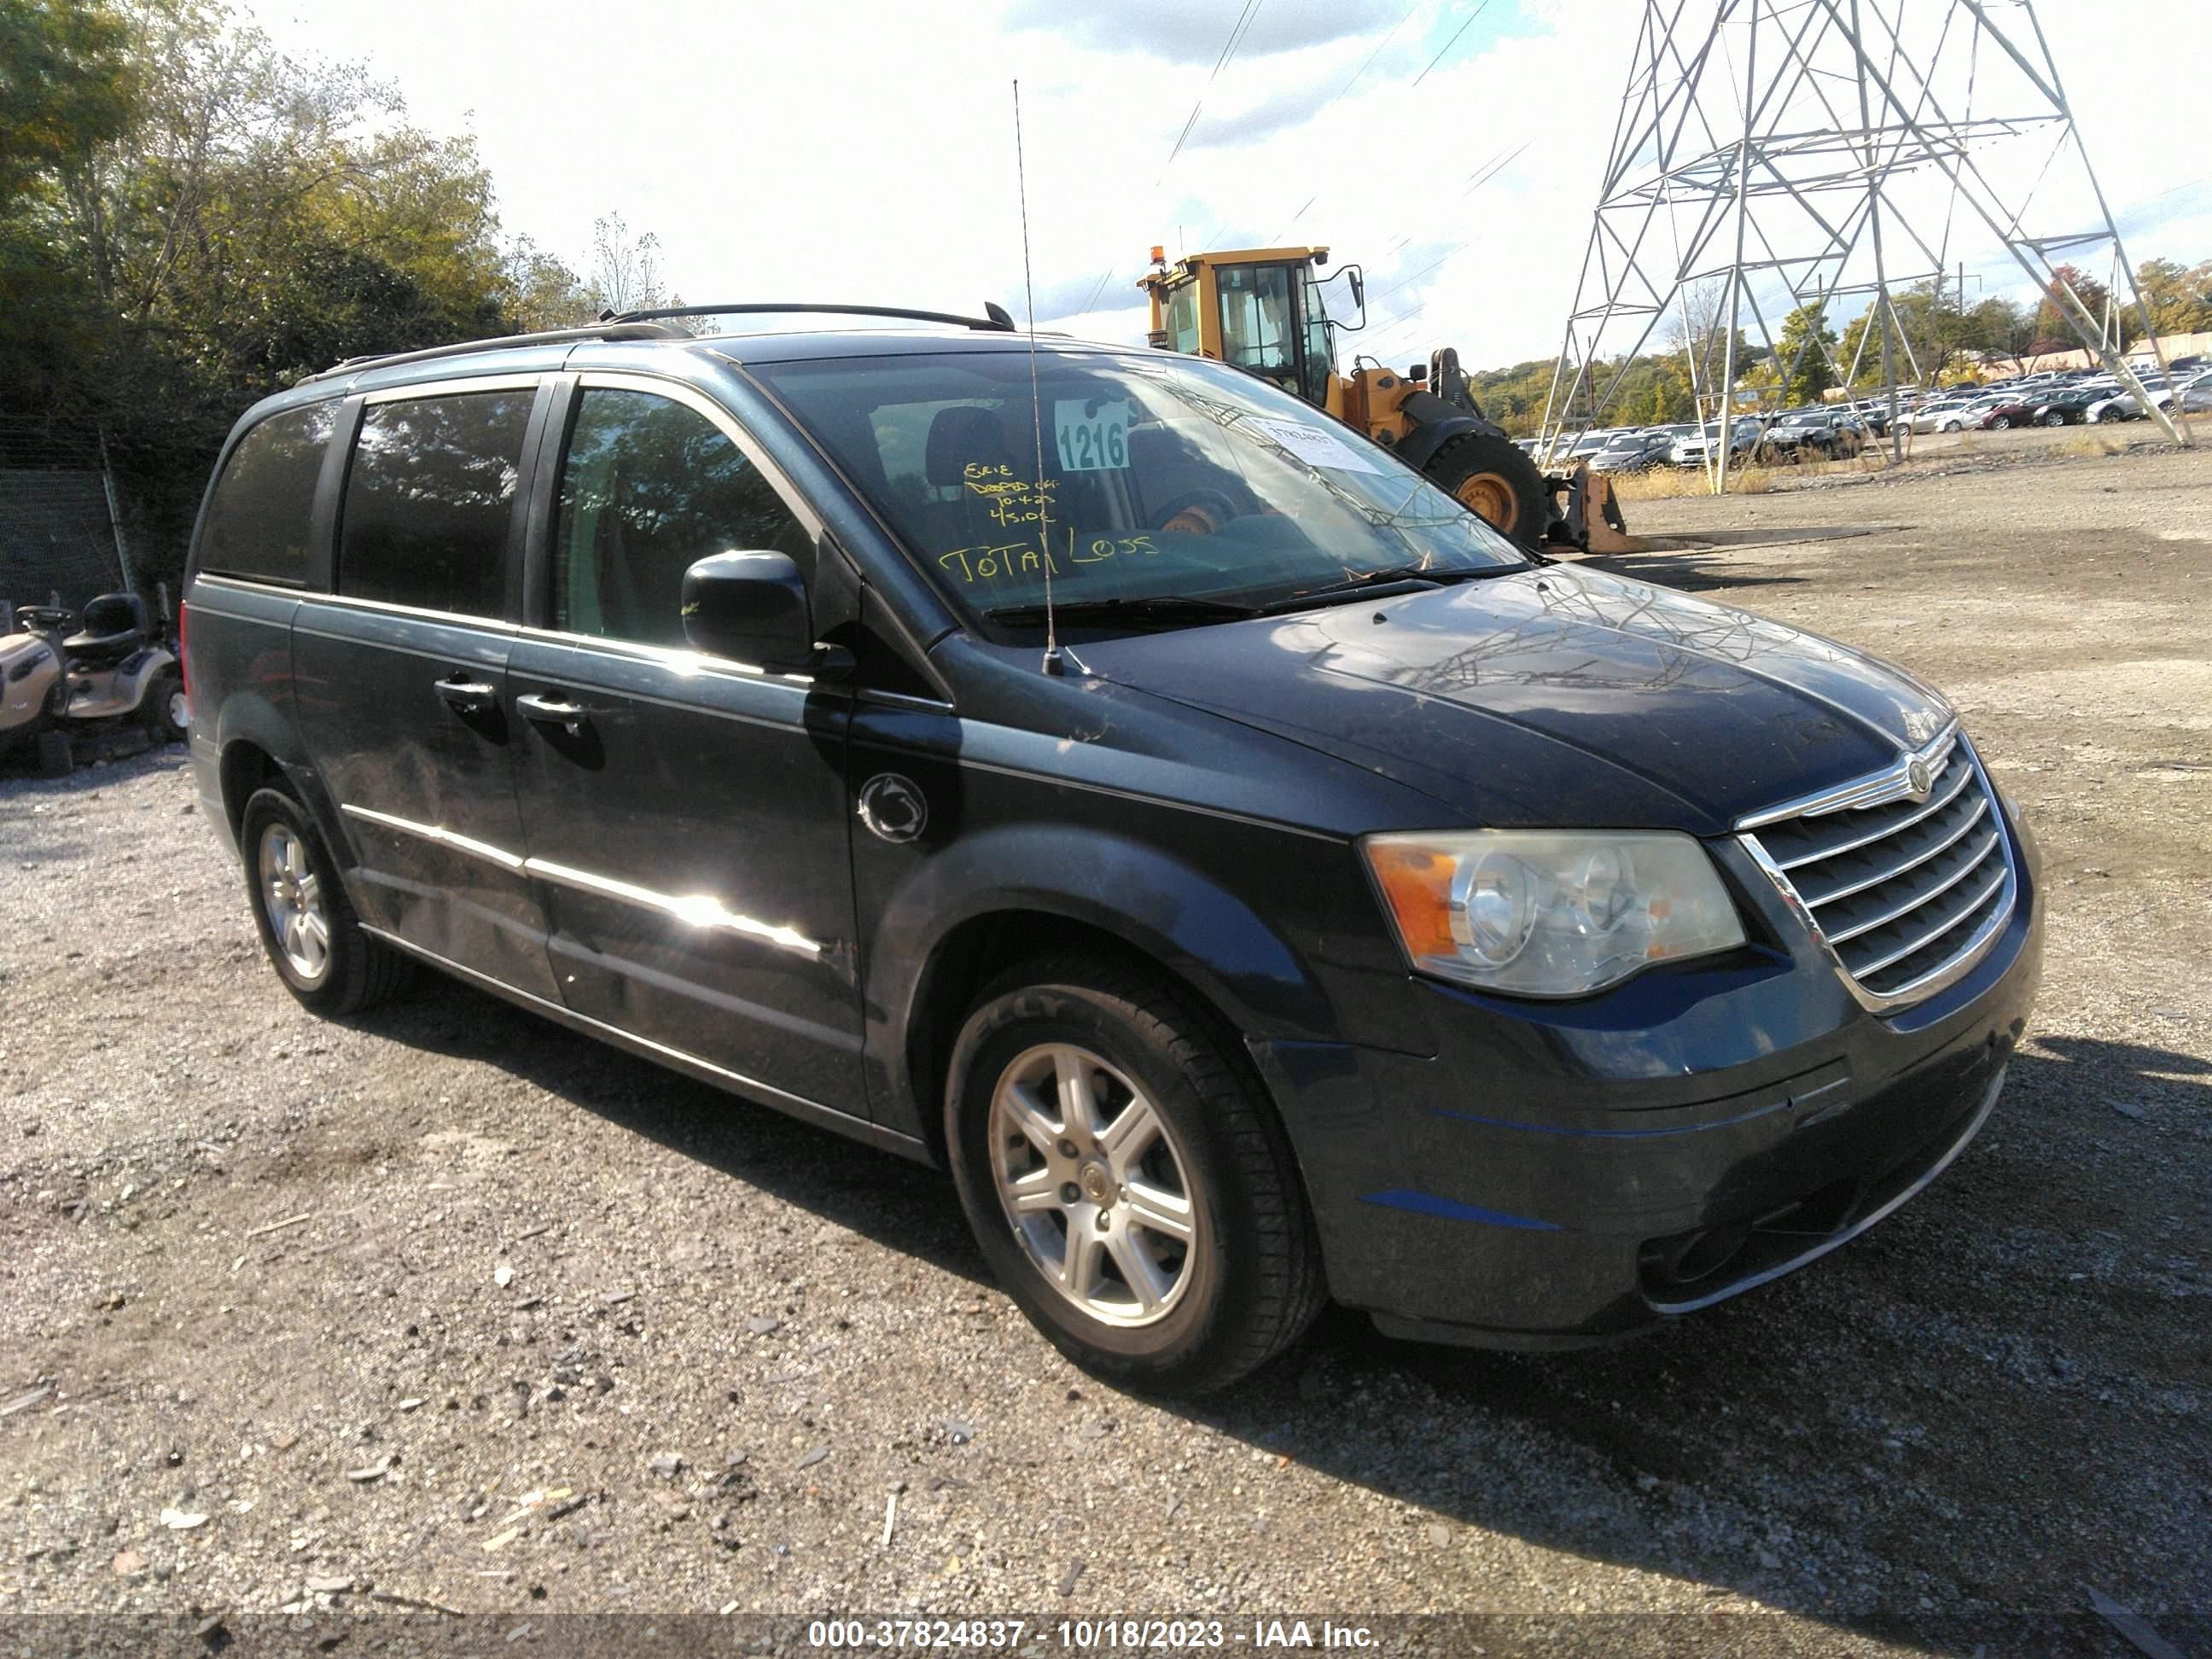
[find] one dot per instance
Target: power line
(1235, 37)
(1275, 236)
(1242, 27)
(1370, 63)
(1450, 44)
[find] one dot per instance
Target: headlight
(1545, 913)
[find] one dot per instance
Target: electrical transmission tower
(1780, 165)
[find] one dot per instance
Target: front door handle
(466, 696)
(570, 717)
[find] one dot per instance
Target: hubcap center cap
(1097, 1184)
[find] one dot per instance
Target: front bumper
(1559, 1174)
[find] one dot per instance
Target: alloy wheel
(292, 895)
(1093, 1184)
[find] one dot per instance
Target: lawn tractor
(1263, 310)
(86, 678)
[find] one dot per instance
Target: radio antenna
(1052, 664)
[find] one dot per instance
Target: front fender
(1168, 910)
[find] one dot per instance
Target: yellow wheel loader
(1263, 310)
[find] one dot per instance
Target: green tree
(2053, 329)
(189, 219)
(1803, 349)
(67, 84)
(2178, 297)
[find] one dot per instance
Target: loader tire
(1496, 483)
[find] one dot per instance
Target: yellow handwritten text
(1102, 548)
(975, 564)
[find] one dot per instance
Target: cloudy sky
(854, 151)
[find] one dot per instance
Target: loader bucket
(1591, 519)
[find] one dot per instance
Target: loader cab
(1262, 309)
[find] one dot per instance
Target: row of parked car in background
(1839, 431)
(2072, 397)
(1829, 432)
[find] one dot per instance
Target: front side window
(649, 486)
(1182, 317)
(257, 519)
(1258, 331)
(1318, 359)
(429, 501)
(1161, 476)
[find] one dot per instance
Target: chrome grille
(1904, 893)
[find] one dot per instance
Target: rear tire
(1230, 1270)
(1494, 481)
(55, 757)
(313, 939)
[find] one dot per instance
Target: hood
(1558, 695)
(16, 648)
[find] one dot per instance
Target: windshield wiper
(1408, 576)
(1166, 608)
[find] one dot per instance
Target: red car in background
(2019, 412)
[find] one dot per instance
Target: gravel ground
(450, 1306)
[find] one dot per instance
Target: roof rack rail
(622, 329)
(995, 317)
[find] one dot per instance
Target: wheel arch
(1229, 964)
(253, 749)
(246, 767)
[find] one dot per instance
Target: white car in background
(2121, 405)
(1967, 416)
(1696, 447)
(1941, 416)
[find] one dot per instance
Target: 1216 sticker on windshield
(1093, 434)
(1314, 447)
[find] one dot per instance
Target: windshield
(1163, 477)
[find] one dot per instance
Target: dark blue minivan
(1257, 880)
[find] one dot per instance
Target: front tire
(55, 757)
(1493, 480)
(308, 927)
(2001, 423)
(1126, 1185)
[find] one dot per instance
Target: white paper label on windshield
(1093, 437)
(1314, 447)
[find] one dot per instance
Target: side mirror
(751, 608)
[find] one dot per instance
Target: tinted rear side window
(256, 520)
(429, 499)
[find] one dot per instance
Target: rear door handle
(570, 717)
(466, 696)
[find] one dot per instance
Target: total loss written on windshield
(1172, 479)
